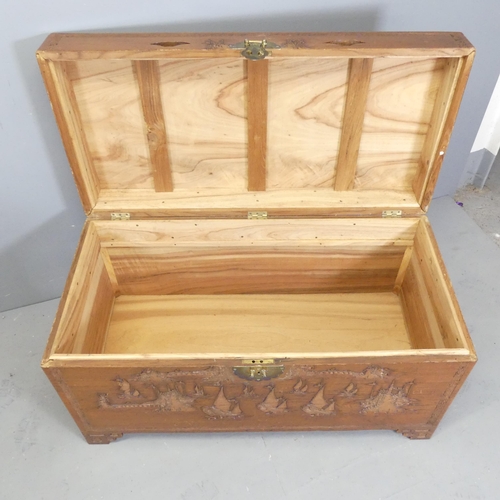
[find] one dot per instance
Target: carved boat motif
(300, 387)
(223, 407)
(318, 406)
(272, 404)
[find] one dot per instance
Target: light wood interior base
(262, 323)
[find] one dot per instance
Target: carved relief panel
(215, 393)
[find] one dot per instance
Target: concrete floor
(43, 456)
(483, 205)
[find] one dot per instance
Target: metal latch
(258, 369)
(391, 214)
(255, 49)
(257, 215)
(120, 216)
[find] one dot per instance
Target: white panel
(488, 135)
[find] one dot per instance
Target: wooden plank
(241, 323)
(158, 360)
(445, 112)
(71, 46)
(245, 233)
(257, 90)
(206, 121)
(109, 269)
(354, 112)
(326, 202)
(399, 107)
(111, 112)
(185, 270)
(62, 97)
(402, 269)
(74, 301)
(440, 290)
(87, 301)
(421, 321)
(67, 295)
(148, 78)
(95, 329)
(306, 101)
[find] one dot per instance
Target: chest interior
(216, 288)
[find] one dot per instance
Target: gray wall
(40, 213)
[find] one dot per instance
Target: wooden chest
(256, 254)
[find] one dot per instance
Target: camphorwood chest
(256, 254)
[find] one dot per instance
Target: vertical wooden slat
(257, 85)
(402, 269)
(110, 270)
(360, 71)
(448, 99)
(421, 322)
(96, 327)
(62, 97)
(148, 78)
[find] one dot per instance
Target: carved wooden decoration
(169, 400)
(249, 392)
(391, 400)
(223, 407)
(370, 373)
(300, 387)
(273, 405)
(319, 406)
(167, 392)
(295, 43)
(214, 44)
(349, 391)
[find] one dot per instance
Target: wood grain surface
(249, 323)
(195, 117)
(205, 233)
(360, 72)
(257, 74)
(276, 270)
(310, 395)
(64, 46)
(148, 78)
(305, 117)
(110, 107)
(223, 204)
(400, 101)
(206, 119)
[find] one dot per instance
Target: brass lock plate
(258, 369)
(255, 49)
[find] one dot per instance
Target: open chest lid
(235, 125)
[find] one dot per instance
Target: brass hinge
(257, 215)
(255, 49)
(120, 216)
(391, 214)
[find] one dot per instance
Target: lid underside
(307, 131)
